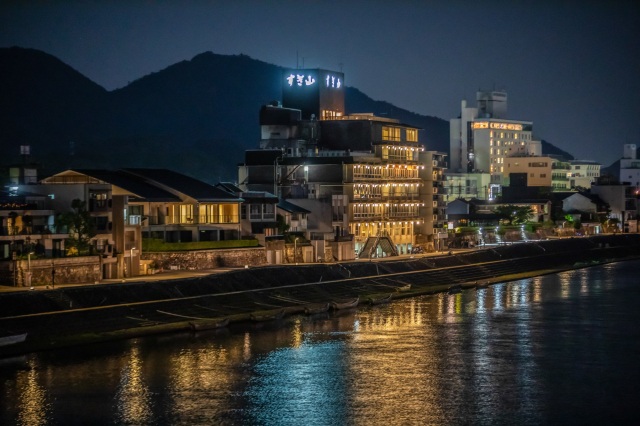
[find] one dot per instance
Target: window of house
(390, 133)
(255, 211)
(268, 211)
(412, 135)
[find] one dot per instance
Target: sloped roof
(191, 187)
(291, 208)
(229, 187)
(131, 183)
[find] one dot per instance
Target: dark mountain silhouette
(196, 117)
(612, 170)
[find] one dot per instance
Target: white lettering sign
(300, 80)
(309, 80)
(333, 81)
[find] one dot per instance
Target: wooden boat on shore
(12, 339)
(316, 309)
(379, 300)
(269, 316)
(345, 304)
(208, 325)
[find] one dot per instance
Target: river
(557, 349)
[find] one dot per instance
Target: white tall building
(630, 166)
(482, 137)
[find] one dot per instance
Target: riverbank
(86, 314)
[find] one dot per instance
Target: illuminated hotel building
(362, 177)
(482, 137)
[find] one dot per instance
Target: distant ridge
(196, 117)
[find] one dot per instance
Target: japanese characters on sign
(295, 79)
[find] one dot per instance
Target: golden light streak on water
(33, 398)
(246, 348)
(132, 397)
(296, 334)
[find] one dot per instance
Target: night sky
(573, 68)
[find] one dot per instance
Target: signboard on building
(315, 92)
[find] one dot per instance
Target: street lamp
(131, 262)
(275, 176)
(29, 270)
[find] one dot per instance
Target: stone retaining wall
(71, 270)
(205, 259)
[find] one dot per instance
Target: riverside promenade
(163, 303)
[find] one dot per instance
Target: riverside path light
(29, 270)
(131, 262)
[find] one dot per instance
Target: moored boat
(208, 324)
(316, 309)
(12, 339)
(345, 304)
(406, 287)
(379, 300)
(270, 316)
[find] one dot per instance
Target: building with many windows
(370, 186)
(583, 173)
(482, 138)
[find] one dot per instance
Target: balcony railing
(188, 220)
(32, 230)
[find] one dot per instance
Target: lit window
(412, 135)
(390, 133)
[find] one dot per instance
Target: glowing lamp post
(131, 262)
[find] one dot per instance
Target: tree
(282, 225)
(515, 215)
(80, 226)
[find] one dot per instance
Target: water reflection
(498, 355)
(33, 400)
(133, 402)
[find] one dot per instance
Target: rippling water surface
(558, 349)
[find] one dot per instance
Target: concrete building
(368, 184)
(482, 137)
(467, 186)
(630, 166)
(528, 170)
(584, 173)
